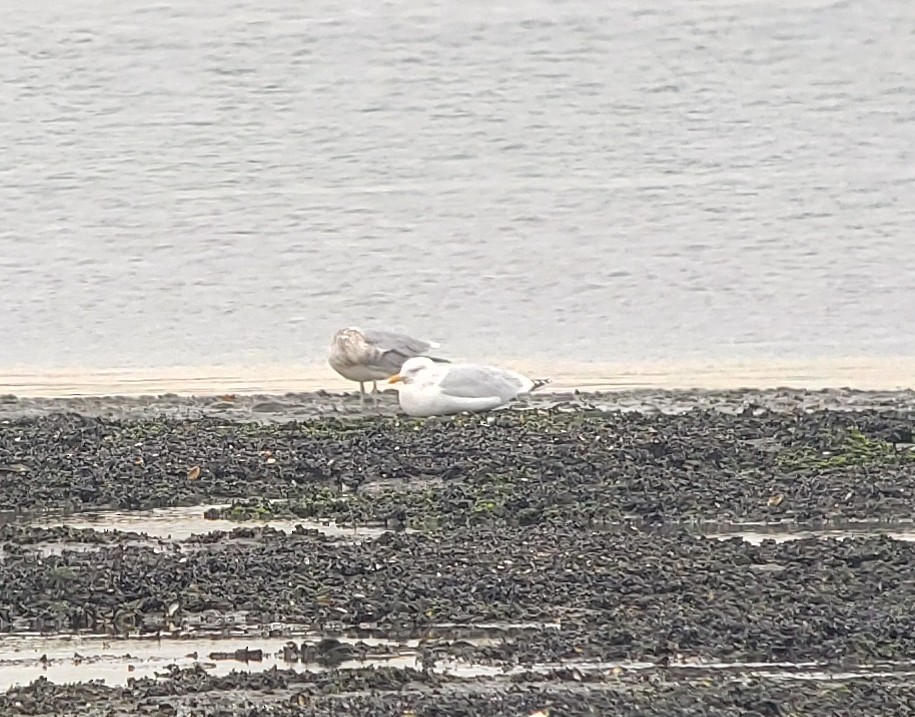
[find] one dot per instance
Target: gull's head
(412, 370)
(349, 337)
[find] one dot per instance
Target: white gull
(431, 389)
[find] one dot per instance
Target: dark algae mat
(747, 554)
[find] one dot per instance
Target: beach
(691, 218)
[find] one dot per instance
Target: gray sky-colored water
(203, 183)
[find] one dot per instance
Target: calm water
(205, 183)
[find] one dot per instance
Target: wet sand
(641, 552)
(859, 372)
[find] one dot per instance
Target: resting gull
(430, 389)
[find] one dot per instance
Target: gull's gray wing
(392, 349)
(392, 341)
(474, 381)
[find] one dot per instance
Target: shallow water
(180, 523)
(200, 184)
(83, 658)
(780, 536)
(80, 658)
(183, 522)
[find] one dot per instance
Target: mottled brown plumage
(373, 355)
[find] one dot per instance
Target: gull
(372, 355)
(430, 389)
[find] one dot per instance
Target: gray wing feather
(480, 382)
(401, 343)
(393, 349)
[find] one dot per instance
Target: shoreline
(861, 373)
(344, 404)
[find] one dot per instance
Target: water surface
(199, 184)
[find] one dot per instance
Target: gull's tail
(540, 383)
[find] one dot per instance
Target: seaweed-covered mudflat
(637, 553)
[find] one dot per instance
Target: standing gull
(429, 389)
(371, 355)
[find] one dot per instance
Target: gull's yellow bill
(396, 378)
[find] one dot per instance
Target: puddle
(80, 658)
(182, 523)
(691, 669)
(757, 538)
(59, 547)
(756, 533)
